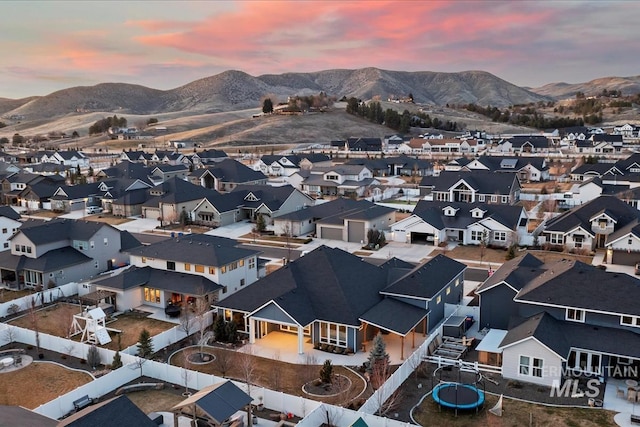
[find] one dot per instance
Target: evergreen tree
(219, 329)
(230, 331)
(145, 344)
(267, 106)
(378, 353)
(117, 361)
(326, 371)
(93, 357)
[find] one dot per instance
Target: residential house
(399, 165)
(9, 224)
(524, 144)
(137, 156)
(70, 158)
(331, 297)
(587, 227)
(225, 175)
(353, 225)
(339, 180)
(471, 187)
(468, 223)
(562, 318)
(164, 172)
(587, 171)
(363, 144)
(168, 200)
(304, 221)
(449, 145)
(279, 165)
(207, 156)
(119, 410)
(527, 168)
(62, 251)
(171, 271)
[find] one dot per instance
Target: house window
(152, 295)
(106, 241)
(4, 231)
(92, 244)
(241, 263)
(448, 290)
(198, 268)
(575, 315)
(578, 240)
(28, 249)
(505, 199)
(630, 321)
(481, 198)
(144, 260)
(6, 245)
(439, 299)
(476, 235)
(500, 236)
(97, 264)
(330, 333)
(494, 199)
(17, 248)
(252, 263)
(223, 269)
(530, 366)
(241, 282)
(555, 239)
(212, 270)
(171, 265)
(187, 266)
(630, 241)
(224, 290)
(458, 281)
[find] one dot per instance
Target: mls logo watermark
(571, 388)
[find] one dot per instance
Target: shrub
(93, 356)
(326, 371)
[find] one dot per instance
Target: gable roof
(544, 328)
(219, 401)
(9, 212)
(119, 411)
(426, 280)
(483, 182)
(176, 190)
(432, 213)
(229, 170)
(516, 273)
(196, 249)
(11, 416)
(509, 164)
(60, 229)
(581, 215)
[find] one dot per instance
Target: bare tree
(201, 308)
(139, 363)
(223, 360)
(310, 363)
(10, 334)
(33, 316)
(69, 349)
(287, 233)
(248, 365)
(187, 320)
(276, 374)
(186, 373)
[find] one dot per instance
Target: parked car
(94, 209)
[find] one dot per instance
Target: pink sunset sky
(51, 45)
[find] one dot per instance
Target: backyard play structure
(458, 395)
(91, 323)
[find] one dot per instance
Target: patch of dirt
(156, 400)
(19, 387)
(9, 295)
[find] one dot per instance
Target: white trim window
(331, 333)
(556, 238)
(530, 366)
(574, 315)
(500, 236)
(630, 321)
(476, 235)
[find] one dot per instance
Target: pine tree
(326, 371)
(219, 329)
(93, 357)
(378, 353)
(117, 361)
(145, 344)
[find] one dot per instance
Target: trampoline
(458, 396)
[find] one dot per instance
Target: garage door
(423, 238)
(625, 258)
(356, 231)
(331, 233)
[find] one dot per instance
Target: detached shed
(215, 404)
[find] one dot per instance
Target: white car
(93, 209)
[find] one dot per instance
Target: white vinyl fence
(47, 296)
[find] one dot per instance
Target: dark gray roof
(516, 273)
(581, 215)
(570, 283)
(9, 212)
(483, 182)
(192, 284)
(537, 141)
(119, 411)
(510, 164)
(176, 190)
(542, 327)
(127, 241)
(127, 169)
(385, 315)
(272, 197)
(428, 279)
(219, 401)
(592, 168)
(326, 284)
(62, 230)
(560, 336)
(362, 212)
(432, 213)
(229, 170)
(294, 158)
(196, 249)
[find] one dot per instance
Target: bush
(93, 357)
(326, 371)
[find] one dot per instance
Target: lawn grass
(497, 256)
(155, 400)
(38, 383)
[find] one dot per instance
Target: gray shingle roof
(62, 230)
(385, 315)
(432, 213)
(483, 182)
(581, 215)
(119, 411)
(545, 329)
(196, 249)
(516, 273)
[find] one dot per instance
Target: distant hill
(233, 90)
(628, 86)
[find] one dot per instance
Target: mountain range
(234, 90)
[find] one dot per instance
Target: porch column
(424, 329)
(252, 330)
(401, 348)
(413, 338)
(300, 340)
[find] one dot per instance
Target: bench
(82, 403)
(635, 419)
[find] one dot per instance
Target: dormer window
(251, 198)
(449, 212)
(477, 213)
